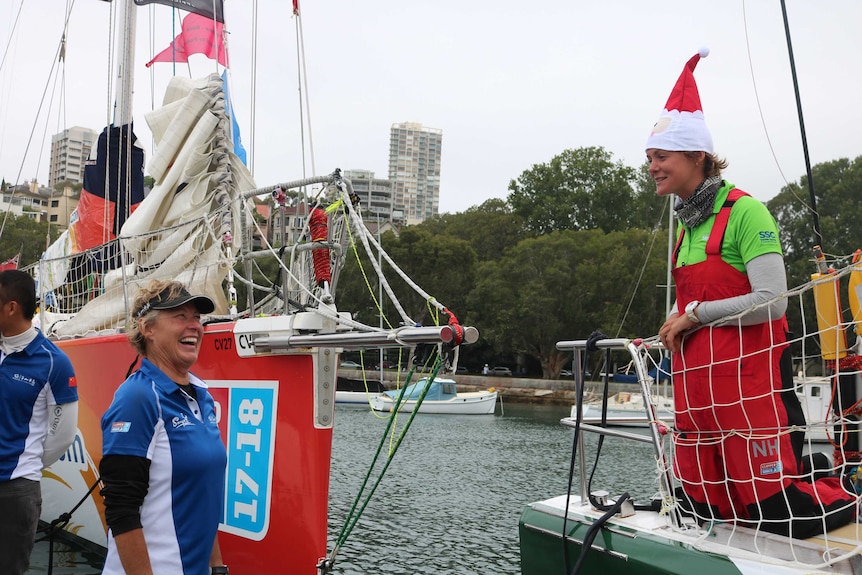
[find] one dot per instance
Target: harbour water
(451, 498)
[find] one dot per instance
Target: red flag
(10, 264)
(199, 36)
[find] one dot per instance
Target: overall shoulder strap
(716, 236)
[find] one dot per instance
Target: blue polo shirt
(30, 380)
(151, 417)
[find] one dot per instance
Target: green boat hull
(615, 550)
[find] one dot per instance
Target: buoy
(854, 294)
(827, 302)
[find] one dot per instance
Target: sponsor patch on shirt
(73, 382)
(770, 468)
(25, 378)
(181, 421)
(121, 426)
(768, 238)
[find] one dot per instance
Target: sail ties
(221, 155)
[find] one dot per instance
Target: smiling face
(174, 340)
(676, 172)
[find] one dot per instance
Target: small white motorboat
(442, 397)
(626, 409)
(355, 391)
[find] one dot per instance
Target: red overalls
(730, 456)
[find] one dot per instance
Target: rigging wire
(649, 247)
(299, 90)
(253, 83)
(304, 86)
(48, 82)
(790, 188)
(11, 35)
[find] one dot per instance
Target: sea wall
(517, 389)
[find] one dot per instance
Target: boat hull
(277, 478)
(628, 413)
(352, 397)
(644, 544)
(475, 403)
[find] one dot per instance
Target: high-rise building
(414, 169)
(70, 150)
(375, 196)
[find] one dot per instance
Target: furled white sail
(188, 227)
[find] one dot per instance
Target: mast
(818, 237)
(125, 81)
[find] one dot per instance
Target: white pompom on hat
(681, 126)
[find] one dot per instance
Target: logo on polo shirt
(28, 380)
(768, 238)
(121, 426)
(182, 421)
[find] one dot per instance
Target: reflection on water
(451, 499)
(453, 494)
(67, 560)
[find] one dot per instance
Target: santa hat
(681, 127)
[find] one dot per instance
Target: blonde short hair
(142, 314)
(712, 164)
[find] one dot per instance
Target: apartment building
(414, 169)
(70, 150)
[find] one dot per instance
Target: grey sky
(511, 84)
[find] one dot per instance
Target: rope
(59, 524)
(325, 565)
(318, 229)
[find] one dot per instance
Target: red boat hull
(277, 481)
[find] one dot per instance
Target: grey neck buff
(698, 207)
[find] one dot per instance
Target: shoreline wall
(517, 389)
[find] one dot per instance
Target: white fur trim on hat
(681, 126)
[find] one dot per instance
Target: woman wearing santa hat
(734, 454)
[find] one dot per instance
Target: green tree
(490, 228)
(75, 186)
(24, 235)
(443, 266)
(564, 285)
(581, 189)
(838, 192)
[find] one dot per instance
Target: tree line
(578, 245)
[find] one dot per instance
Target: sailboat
(271, 361)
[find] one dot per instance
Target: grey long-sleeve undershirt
(768, 280)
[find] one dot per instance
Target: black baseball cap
(203, 303)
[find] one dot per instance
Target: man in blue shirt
(39, 406)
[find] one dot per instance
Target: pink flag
(199, 36)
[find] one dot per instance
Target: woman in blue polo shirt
(163, 460)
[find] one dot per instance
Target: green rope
(353, 516)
